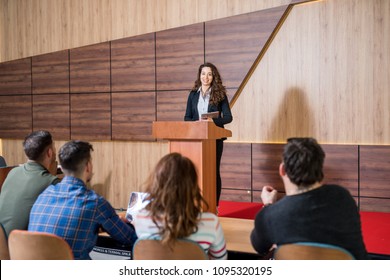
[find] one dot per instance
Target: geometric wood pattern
(90, 68)
(236, 166)
(171, 105)
(341, 166)
(90, 116)
(234, 43)
(266, 159)
(15, 116)
(179, 52)
(374, 171)
(236, 195)
(133, 63)
(50, 73)
(132, 115)
(51, 112)
(374, 204)
(15, 77)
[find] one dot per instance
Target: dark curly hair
(218, 90)
(303, 160)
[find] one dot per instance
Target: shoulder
(207, 217)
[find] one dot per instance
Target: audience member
(74, 212)
(175, 208)
(24, 183)
(310, 211)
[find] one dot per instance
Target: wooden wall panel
(132, 115)
(374, 204)
(133, 63)
(236, 166)
(90, 68)
(236, 195)
(15, 116)
(314, 80)
(26, 31)
(15, 77)
(91, 116)
(51, 112)
(234, 43)
(341, 166)
(50, 73)
(171, 105)
(266, 159)
(374, 170)
(179, 52)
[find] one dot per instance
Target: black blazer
(192, 114)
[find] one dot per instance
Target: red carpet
(375, 225)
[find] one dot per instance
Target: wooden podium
(196, 140)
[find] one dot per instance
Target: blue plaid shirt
(75, 213)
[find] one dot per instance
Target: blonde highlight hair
(175, 197)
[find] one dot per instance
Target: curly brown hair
(218, 90)
(175, 197)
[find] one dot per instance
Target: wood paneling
(171, 105)
(15, 77)
(133, 63)
(15, 116)
(179, 52)
(132, 115)
(30, 28)
(314, 80)
(374, 204)
(236, 195)
(90, 68)
(91, 116)
(374, 170)
(341, 166)
(234, 43)
(51, 112)
(236, 166)
(266, 159)
(50, 73)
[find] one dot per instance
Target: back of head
(303, 160)
(175, 196)
(36, 143)
(74, 155)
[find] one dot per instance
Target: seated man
(310, 211)
(24, 183)
(74, 212)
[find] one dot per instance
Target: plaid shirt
(75, 213)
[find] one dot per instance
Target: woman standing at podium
(206, 96)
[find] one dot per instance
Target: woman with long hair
(175, 208)
(209, 95)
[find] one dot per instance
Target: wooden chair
(4, 252)
(311, 251)
(27, 245)
(4, 173)
(148, 249)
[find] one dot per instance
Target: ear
(282, 170)
(50, 152)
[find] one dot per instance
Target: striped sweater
(209, 235)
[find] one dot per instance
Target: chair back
(311, 251)
(148, 249)
(27, 245)
(4, 252)
(4, 173)
(2, 162)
